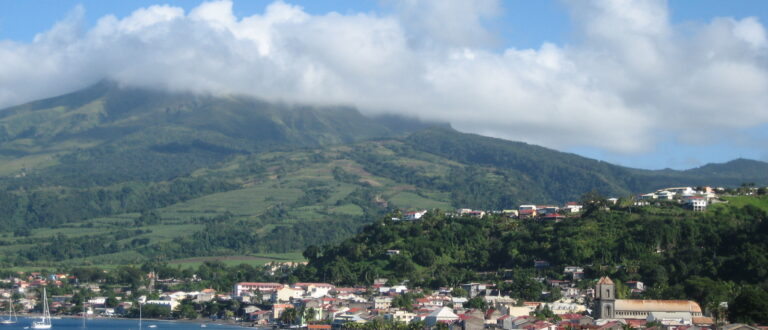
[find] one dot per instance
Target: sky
(646, 83)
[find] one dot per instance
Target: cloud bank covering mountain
(627, 80)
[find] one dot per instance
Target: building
(608, 307)
(442, 315)
(253, 287)
(573, 207)
(400, 316)
(526, 211)
(415, 215)
(696, 203)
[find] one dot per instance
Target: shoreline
(117, 318)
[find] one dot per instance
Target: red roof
(636, 323)
(571, 316)
(319, 326)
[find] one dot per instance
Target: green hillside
(710, 257)
(115, 175)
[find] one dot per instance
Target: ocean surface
(103, 324)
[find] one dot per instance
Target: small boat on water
(45, 320)
(12, 319)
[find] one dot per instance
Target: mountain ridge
(156, 173)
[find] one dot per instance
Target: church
(608, 307)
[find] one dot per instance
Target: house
(123, 307)
(635, 286)
(526, 211)
(476, 214)
(612, 325)
(526, 214)
(575, 272)
(612, 200)
(262, 287)
(473, 289)
(415, 215)
(473, 320)
(670, 318)
(510, 213)
(666, 195)
(286, 294)
(400, 316)
(442, 315)
(316, 290)
(250, 309)
(382, 302)
(572, 207)
(695, 203)
(546, 209)
(340, 320)
(572, 269)
(648, 196)
(278, 309)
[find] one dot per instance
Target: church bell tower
(606, 298)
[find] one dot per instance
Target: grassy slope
(257, 195)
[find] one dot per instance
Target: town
(569, 299)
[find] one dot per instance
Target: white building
(253, 287)
(415, 215)
(696, 203)
(400, 316)
(443, 314)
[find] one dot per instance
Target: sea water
(104, 324)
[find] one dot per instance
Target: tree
(750, 306)
(290, 316)
(425, 257)
(112, 301)
(310, 314)
(476, 303)
(459, 292)
(312, 252)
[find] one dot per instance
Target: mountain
(111, 174)
(118, 134)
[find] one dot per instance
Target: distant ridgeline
(678, 254)
(120, 174)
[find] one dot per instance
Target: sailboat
(11, 314)
(45, 320)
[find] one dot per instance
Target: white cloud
(628, 76)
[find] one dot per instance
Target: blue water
(104, 324)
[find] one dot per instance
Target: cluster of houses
(332, 307)
(696, 199)
(593, 308)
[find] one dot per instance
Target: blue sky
(522, 28)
